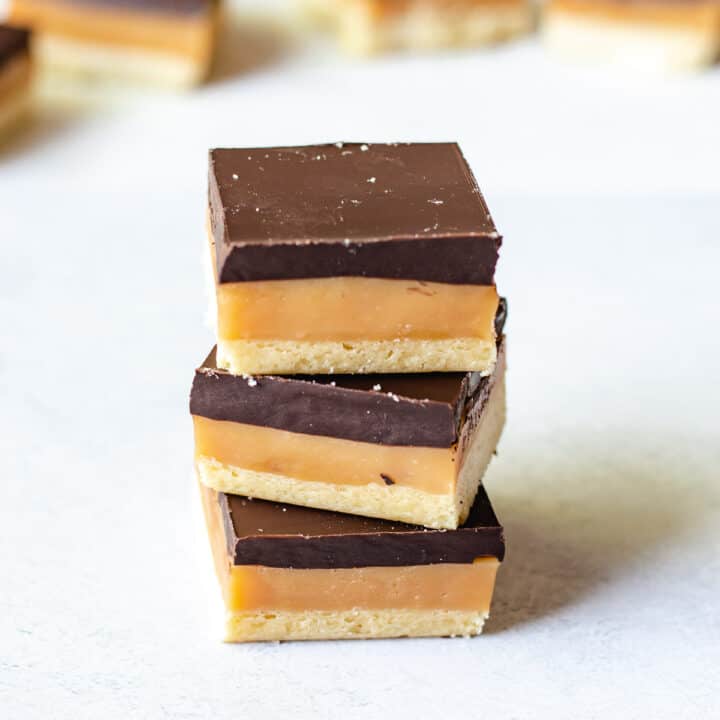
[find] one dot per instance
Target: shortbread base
(403, 504)
(94, 62)
(350, 624)
(635, 45)
(288, 357)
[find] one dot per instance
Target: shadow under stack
(356, 395)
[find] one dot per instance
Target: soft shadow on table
(247, 44)
(583, 518)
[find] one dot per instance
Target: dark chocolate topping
(259, 532)
(422, 410)
(164, 7)
(13, 41)
(399, 211)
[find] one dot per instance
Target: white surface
(607, 480)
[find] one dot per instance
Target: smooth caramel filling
(327, 459)
(445, 586)
(187, 35)
(354, 308)
(703, 16)
(419, 587)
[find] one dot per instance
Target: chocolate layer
(166, 7)
(398, 211)
(259, 532)
(13, 41)
(422, 410)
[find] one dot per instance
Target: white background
(606, 189)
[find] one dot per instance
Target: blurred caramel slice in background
(372, 26)
(158, 42)
(651, 35)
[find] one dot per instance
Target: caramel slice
(156, 41)
(410, 447)
(290, 573)
(649, 35)
(352, 258)
(371, 26)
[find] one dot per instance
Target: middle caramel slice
(407, 447)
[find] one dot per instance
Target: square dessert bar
(368, 26)
(352, 258)
(411, 448)
(167, 42)
(292, 573)
(15, 75)
(656, 35)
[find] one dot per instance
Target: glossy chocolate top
(259, 532)
(13, 41)
(422, 410)
(410, 211)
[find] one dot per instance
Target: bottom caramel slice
(291, 573)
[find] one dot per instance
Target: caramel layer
(419, 587)
(15, 75)
(694, 15)
(354, 308)
(190, 36)
(313, 458)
